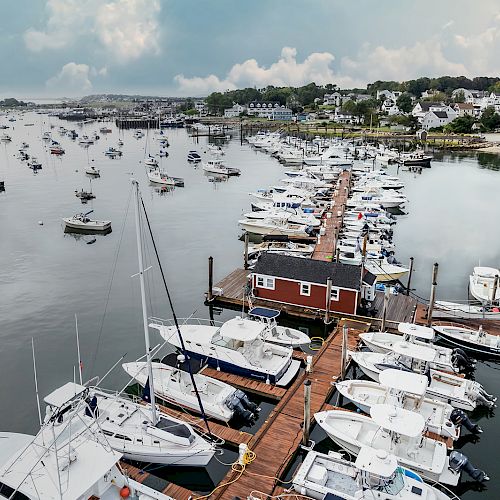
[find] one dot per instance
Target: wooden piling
(307, 412)
(210, 278)
(409, 276)
(433, 293)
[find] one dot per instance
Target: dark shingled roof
(441, 114)
(313, 271)
(426, 105)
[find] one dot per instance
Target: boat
(138, 134)
(105, 130)
(374, 474)
(477, 341)
(5, 137)
(112, 152)
(151, 162)
(82, 221)
(457, 310)
(46, 136)
(34, 164)
(235, 346)
(84, 195)
(275, 333)
(86, 140)
(445, 359)
(290, 247)
(295, 217)
(159, 176)
(459, 392)
(484, 284)
(416, 159)
(56, 150)
(275, 227)
(399, 432)
(217, 167)
(193, 157)
(92, 171)
(67, 461)
(408, 391)
(220, 400)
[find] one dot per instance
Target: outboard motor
(242, 406)
(461, 361)
(485, 399)
(460, 418)
(459, 462)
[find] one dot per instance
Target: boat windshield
(228, 343)
(391, 485)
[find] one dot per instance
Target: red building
(303, 282)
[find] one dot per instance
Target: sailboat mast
(143, 302)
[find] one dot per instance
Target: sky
(55, 48)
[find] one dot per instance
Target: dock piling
(343, 359)
(307, 412)
(433, 293)
(210, 278)
(245, 263)
(408, 285)
(328, 299)
(495, 288)
(384, 312)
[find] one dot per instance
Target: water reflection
(489, 161)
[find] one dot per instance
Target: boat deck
(333, 218)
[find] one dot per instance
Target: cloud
(286, 71)
(73, 78)
(125, 29)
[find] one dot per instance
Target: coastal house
(262, 109)
(234, 111)
(434, 119)
(303, 282)
(388, 94)
(334, 99)
(421, 109)
(466, 108)
(491, 101)
(475, 97)
(390, 107)
(281, 113)
(201, 107)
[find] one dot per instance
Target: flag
(360, 215)
(146, 392)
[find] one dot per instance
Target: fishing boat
(457, 391)
(484, 284)
(82, 221)
(159, 176)
(220, 400)
(91, 170)
(217, 167)
(399, 432)
(373, 475)
(193, 157)
(477, 341)
(407, 390)
(236, 346)
(105, 130)
(275, 227)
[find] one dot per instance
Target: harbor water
(48, 276)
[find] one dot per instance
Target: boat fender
(459, 462)
(460, 418)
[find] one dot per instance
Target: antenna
(36, 383)
(78, 350)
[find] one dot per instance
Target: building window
(305, 289)
(265, 282)
(335, 294)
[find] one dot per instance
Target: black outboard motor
(462, 362)
(459, 462)
(460, 418)
(242, 406)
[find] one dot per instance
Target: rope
(318, 340)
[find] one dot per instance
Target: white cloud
(73, 78)
(125, 29)
(286, 71)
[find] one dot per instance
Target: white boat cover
(398, 420)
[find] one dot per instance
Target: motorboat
(105, 130)
(46, 136)
(374, 474)
(84, 195)
(384, 270)
(173, 385)
(5, 137)
(217, 167)
(275, 333)
(82, 221)
(138, 134)
(445, 359)
(56, 150)
(294, 217)
(275, 227)
(456, 310)
(91, 170)
(396, 431)
(292, 248)
(193, 157)
(128, 426)
(417, 158)
(476, 341)
(86, 140)
(406, 390)
(112, 152)
(151, 162)
(482, 284)
(159, 176)
(455, 390)
(236, 346)
(34, 164)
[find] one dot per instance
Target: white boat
(476, 341)
(138, 134)
(151, 162)
(5, 137)
(403, 389)
(193, 157)
(457, 391)
(236, 346)
(46, 136)
(112, 152)
(86, 140)
(159, 176)
(396, 431)
(217, 167)
(456, 310)
(295, 217)
(274, 227)
(82, 221)
(374, 475)
(92, 171)
(481, 284)
(384, 270)
(220, 400)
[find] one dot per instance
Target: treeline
(10, 102)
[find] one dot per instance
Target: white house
(262, 109)
(235, 111)
(388, 94)
(491, 101)
(281, 113)
(422, 108)
(434, 119)
(334, 99)
(466, 108)
(201, 107)
(390, 107)
(470, 96)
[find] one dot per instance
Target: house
(334, 99)
(234, 111)
(470, 96)
(281, 113)
(388, 94)
(491, 101)
(201, 107)
(390, 107)
(434, 119)
(303, 282)
(466, 108)
(262, 109)
(422, 108)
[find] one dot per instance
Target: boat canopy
(377, 462)
(486, 272)
(422, 332)
(264, 312)
(398, 420)
(242, 329)
(64, 394)
(400, 380)
(414, 351)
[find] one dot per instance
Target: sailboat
(139, 432)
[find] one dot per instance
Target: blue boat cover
(264, 312)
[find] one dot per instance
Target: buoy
(125, 492)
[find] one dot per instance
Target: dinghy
(477, 341)
(482, 284)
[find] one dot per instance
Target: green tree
(404, 102)
(490, 119)
(461, 125)
(459, 97)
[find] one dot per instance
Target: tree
(404, 102)
(490, 119)
(461, 125)
(459, 96)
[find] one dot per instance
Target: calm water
(47, 276)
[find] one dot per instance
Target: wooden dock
(333, 220)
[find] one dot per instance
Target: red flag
(360, 215)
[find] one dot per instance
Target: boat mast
(143, 301)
